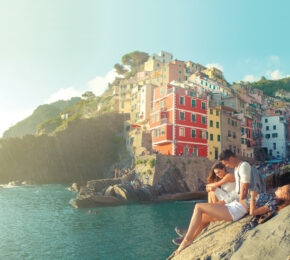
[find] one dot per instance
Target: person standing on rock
(204, 213)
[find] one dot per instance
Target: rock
(270, 240)
(120, 192)
(243, 240)
(110, 191)
(75, 187)
(14, 183)
(93, 201)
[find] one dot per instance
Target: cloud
(251, 78)
(216, 65)
(64, 94)
(99, 84)
(276, 74)
(11, 117)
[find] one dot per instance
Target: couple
(242, 203)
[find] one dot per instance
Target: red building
(179, 121)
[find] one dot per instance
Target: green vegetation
(269, 87)
(134, 60)
(83, 151)
(151, 163)
(40, 115)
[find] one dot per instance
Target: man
(243, 180)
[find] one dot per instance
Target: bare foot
(183, 245)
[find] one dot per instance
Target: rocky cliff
(243, 240)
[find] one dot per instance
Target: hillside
(270, 87)
(86, 108)
(83, 151)
(39, 115)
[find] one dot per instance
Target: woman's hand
(210, 187)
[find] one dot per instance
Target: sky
(56, 49)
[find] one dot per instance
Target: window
(162, 131)
(236, 124)
(274, 146)
(229, 121)
(266, 120)
(232, 122)
(274, 127)
(191, 94)
(211, 137)
(122, 104)
(181, 100)
(274, 135)
(201, 135)
(157, 117)
(267, 128)
(181, 131)
(161, 91)
(218, 138)
(193, 103)
(243, 141)
(153, 118)
(193, 118)
(193, 133)
(210, 111)
(181, 116)
(229, 133)
(267, 136)
(203, 120)
(201, 82)
(179, 71)
(164, 68)
(234, 135)
(206, 83)
(217, 113)
(203, 105)
(217, 125)
(211, 123)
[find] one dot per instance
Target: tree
(135, 58)
(120, 69)
(263, 78)
(88, 95)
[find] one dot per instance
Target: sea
(37, 222)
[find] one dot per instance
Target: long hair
(212, 177)
(285, 201)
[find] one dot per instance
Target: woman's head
(283, 193)
(283, 196)
(217, 172)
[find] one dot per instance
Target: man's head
(228, 158)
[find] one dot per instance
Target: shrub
(151, 163)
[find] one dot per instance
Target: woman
(266, 202)
(221, 187)
(204, 213)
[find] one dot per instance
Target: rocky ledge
(243, 240)
(120, 191)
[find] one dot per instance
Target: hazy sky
(53, 49)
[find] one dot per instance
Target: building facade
(179, 121)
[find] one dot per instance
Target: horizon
(53, 51)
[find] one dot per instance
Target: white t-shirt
(242, 175)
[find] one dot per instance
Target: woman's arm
(227, 178)
(256, 211)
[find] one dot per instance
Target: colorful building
(179, 121)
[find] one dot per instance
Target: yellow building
(124, 94)
(216, 75)
(214, 133)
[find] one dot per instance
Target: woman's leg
(212, 212)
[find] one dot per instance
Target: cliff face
(243, 240)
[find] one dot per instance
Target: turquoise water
(37, 222)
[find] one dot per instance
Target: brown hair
(284, 202)
(212, 177)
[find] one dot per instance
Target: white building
(156, 60)
(274, 136)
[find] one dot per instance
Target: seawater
(37, 222)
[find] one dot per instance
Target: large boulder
(93, 201)
(243, 240)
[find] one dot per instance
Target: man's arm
(244, 190)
